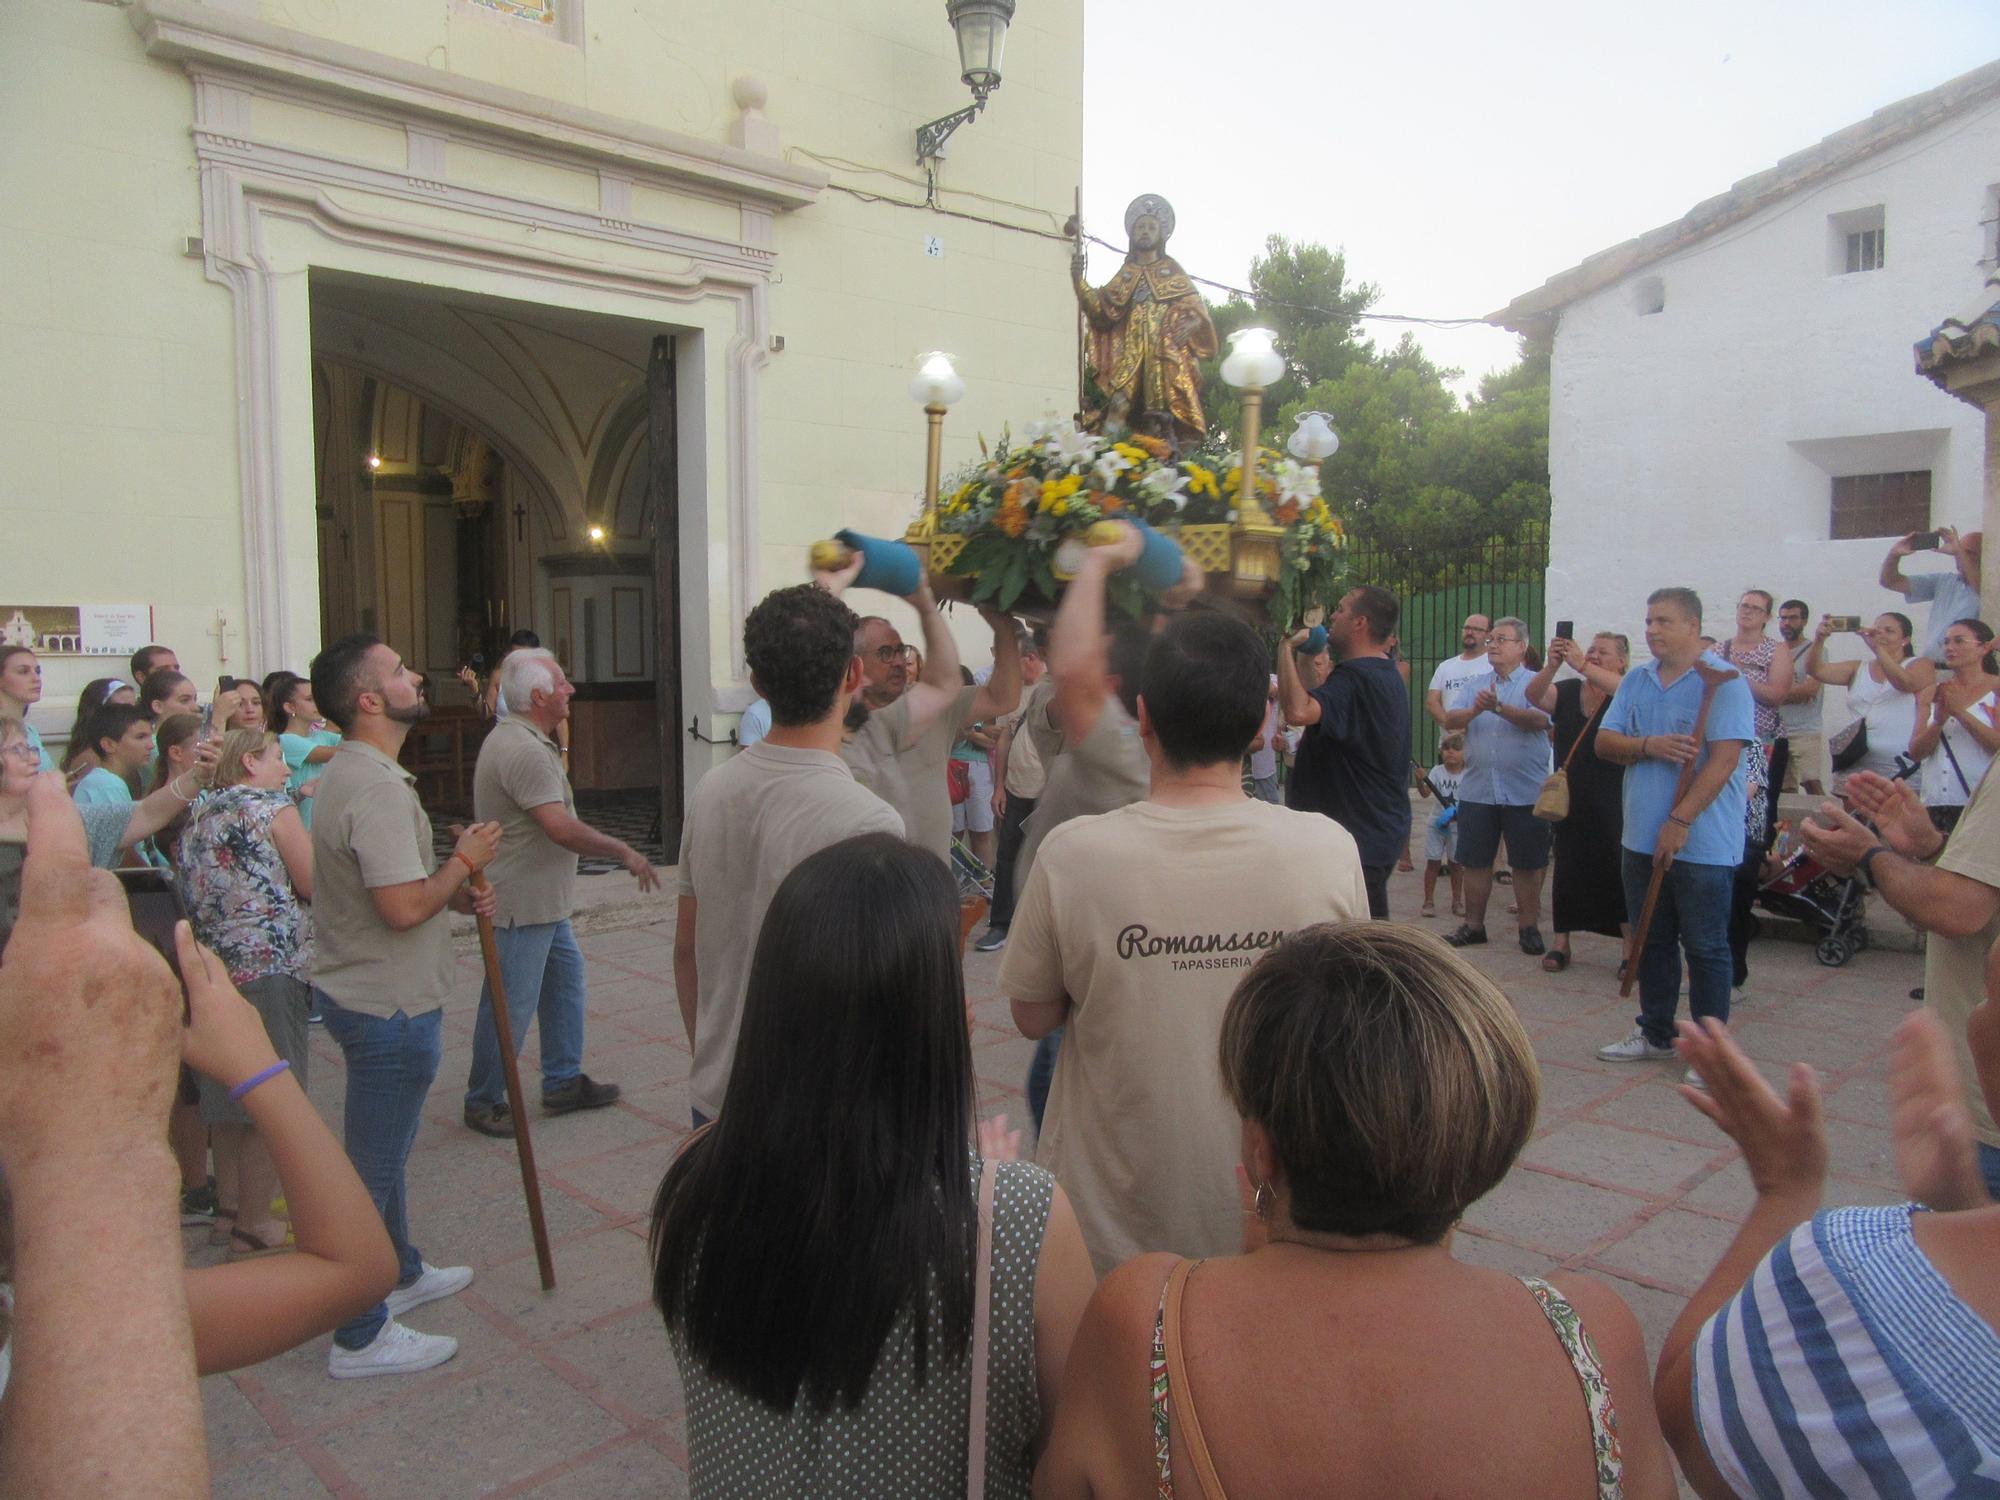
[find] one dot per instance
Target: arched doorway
(483, 467)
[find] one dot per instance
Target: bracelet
(1644, 741)
(237, 1093)
(1674, 818)
(1865, 866)
(471, 870)
(187, 797)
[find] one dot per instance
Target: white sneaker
(1694, 1080)
(435, 1282)
(1635, 1048)
(396, 1350)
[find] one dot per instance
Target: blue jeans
(1692, 915)
(1041, 1073)
(1989, 1168)
(391, 1062)
(543, 970)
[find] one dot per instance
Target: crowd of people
(1260, 1106)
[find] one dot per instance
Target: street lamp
(935, 387)
(1253, 362)
(1314, 438)
(981, 26)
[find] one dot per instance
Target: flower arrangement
(1016, 506)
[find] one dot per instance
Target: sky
(1463, 151)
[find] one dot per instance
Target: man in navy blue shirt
(1697, 837)
(1354, 759)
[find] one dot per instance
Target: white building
(442, 318)
(1733, 399)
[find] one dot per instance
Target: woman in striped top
(1852, 1351)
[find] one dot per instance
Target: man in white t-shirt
(1953, 593)
(1133, 930)
(753, 818)
(1455, 671)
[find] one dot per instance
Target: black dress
(1589, 891)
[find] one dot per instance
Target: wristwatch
(1865, 866)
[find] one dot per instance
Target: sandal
(1430, 909)
(1555, 961)
(243, 1245)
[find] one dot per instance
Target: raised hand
(1783, 1140)
(1936, 1159)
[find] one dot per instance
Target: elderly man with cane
(1680, 722)
(520, 784)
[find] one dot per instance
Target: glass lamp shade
(936, 383)
(982, 37)
(1253, 361)
(1314, 438)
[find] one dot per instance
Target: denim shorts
(1481, 826)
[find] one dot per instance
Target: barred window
(1880, 504)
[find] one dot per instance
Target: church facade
(447, 318)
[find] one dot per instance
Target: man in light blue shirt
(1695, 836)
(754, 725)
(1953, 593)
(1506, 762)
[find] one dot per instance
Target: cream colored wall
(117, 387)
(117, 356)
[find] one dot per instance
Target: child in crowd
(119, 742)
(306, 739)
(1441, 839)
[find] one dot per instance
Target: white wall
(1694, 445)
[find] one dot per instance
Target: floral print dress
(239, 895)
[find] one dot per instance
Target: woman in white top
(1956, 729)
(1881, 690)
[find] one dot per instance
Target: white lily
(1108, 467)
(1296, 481)
(1067, 445)
(1165, 484)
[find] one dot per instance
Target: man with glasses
(1455, 671)
(1799, 725)
(1506, 762)
(901, 726)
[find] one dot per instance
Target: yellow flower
(1201, 481)
(1066, 486)
(1061, 507)
(1127, 451)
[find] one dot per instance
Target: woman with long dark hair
(97, 693)
(1881, 688)
(1957, 735)
(815, 1247)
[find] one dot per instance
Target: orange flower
(1012, 519)
(1013, 495)
(1110, 504)
(1287, 513)
(1151, 444)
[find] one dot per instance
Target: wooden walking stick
(503, 1026)
(1711, 679)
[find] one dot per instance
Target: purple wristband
(237, 1093)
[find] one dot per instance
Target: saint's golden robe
(1149, 332)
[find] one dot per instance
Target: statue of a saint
(1149, 330)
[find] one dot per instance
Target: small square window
(1864, 250)
(1867, 505)
(1856, 241)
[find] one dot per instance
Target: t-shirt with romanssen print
(909, 776)
(751, 822)
(1147, 918)
(519, 770)
(370, 831)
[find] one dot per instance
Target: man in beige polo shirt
(520, 784)
(755, 817)
(900, 732)
(383, 968)
(1132, 932)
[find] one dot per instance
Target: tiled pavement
(573, 1394)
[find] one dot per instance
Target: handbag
(958, 780)
(1552, 802)
(1849, 746)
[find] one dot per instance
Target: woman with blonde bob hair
(1385, 1085)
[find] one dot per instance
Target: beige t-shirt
(910, 776)
(1025, 772)
(1104, 771)
(751, 821)
(1146, 919)
(1955, 968)
(520, 769)
(369, 831)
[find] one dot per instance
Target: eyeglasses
(1497, 639)
(23, 750)
(889, 656)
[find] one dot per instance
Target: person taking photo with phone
(1953, 593)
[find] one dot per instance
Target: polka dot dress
(902, 1440)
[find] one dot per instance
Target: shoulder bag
(1552, 802)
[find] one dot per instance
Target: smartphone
(1565, 630)
(156, 906)
(1844, 622)
(1926, 541)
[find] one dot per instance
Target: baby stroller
(1806, 891)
